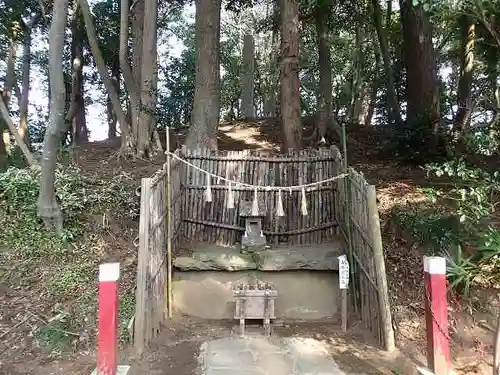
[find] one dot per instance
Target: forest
(90, 87)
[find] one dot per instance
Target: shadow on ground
(176, 350)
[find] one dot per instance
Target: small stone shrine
(253, 238)
(255, 301)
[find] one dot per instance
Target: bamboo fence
(359, 223)
(158, 230)
(346, 206)
(214, 223)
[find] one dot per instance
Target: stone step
(318, 257)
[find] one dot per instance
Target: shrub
(61, 268)
(458, 225)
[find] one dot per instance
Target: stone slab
(311, 357)
(225, 371)
(269, 356)
(313, 258)
(320, 257)
(240, 359)
(215, 258)
(121, 370)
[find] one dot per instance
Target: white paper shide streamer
(208, 190)
(280, 212)
(230, 197)
(303, 202)
(255, 205)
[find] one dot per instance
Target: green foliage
(54, 337)
(71, 281)
(23, 232)
(489, 248)
(473, 190)
(430, 227)
(411, 142)
(481, 142)
(62, 267)
(473, 195)
(126, 311)
(461, 271)
(458, 225)
(481, 266)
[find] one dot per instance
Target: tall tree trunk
(6, 96)
(6, 119)
(206, 107)
(383, 40)
(421, 71)
(468, 38)
(290, 83)
(137, 50)
(76, 113)
(374, 90)
(271, 82)
(495, 89)
(25, 84)
(149, 76)
(112, 119)
(4, 112)
(68, 109)
(322, 14)
(492, 57)
(248, 80)
(358, 80)
(48, 207)
(362, 105)
(103, 72)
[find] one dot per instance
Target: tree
(383, 40)
(27, 28)
(247, 97)
(48, 207)
(126, 141)
(6, 97)
(290, 84)
(468, 37)
(422, 89)
(149, 78)
(107, 24)
(12, 128)
(76, 112)
(322, 14)
(206, 106)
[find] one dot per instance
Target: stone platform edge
(121, 370)
(289, 259)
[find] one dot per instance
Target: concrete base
(122, 370)
(302, 295)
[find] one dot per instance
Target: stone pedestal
(255, 301)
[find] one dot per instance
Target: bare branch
(19, 140)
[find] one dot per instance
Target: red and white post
(436, 316)
(107, 335)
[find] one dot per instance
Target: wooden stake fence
(174, 210)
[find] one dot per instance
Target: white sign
(343, 272)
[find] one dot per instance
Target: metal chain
(444, 331)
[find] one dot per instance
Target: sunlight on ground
(398, 194)
(248, 134)
(309, 346)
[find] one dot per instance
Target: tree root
(52, 216)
